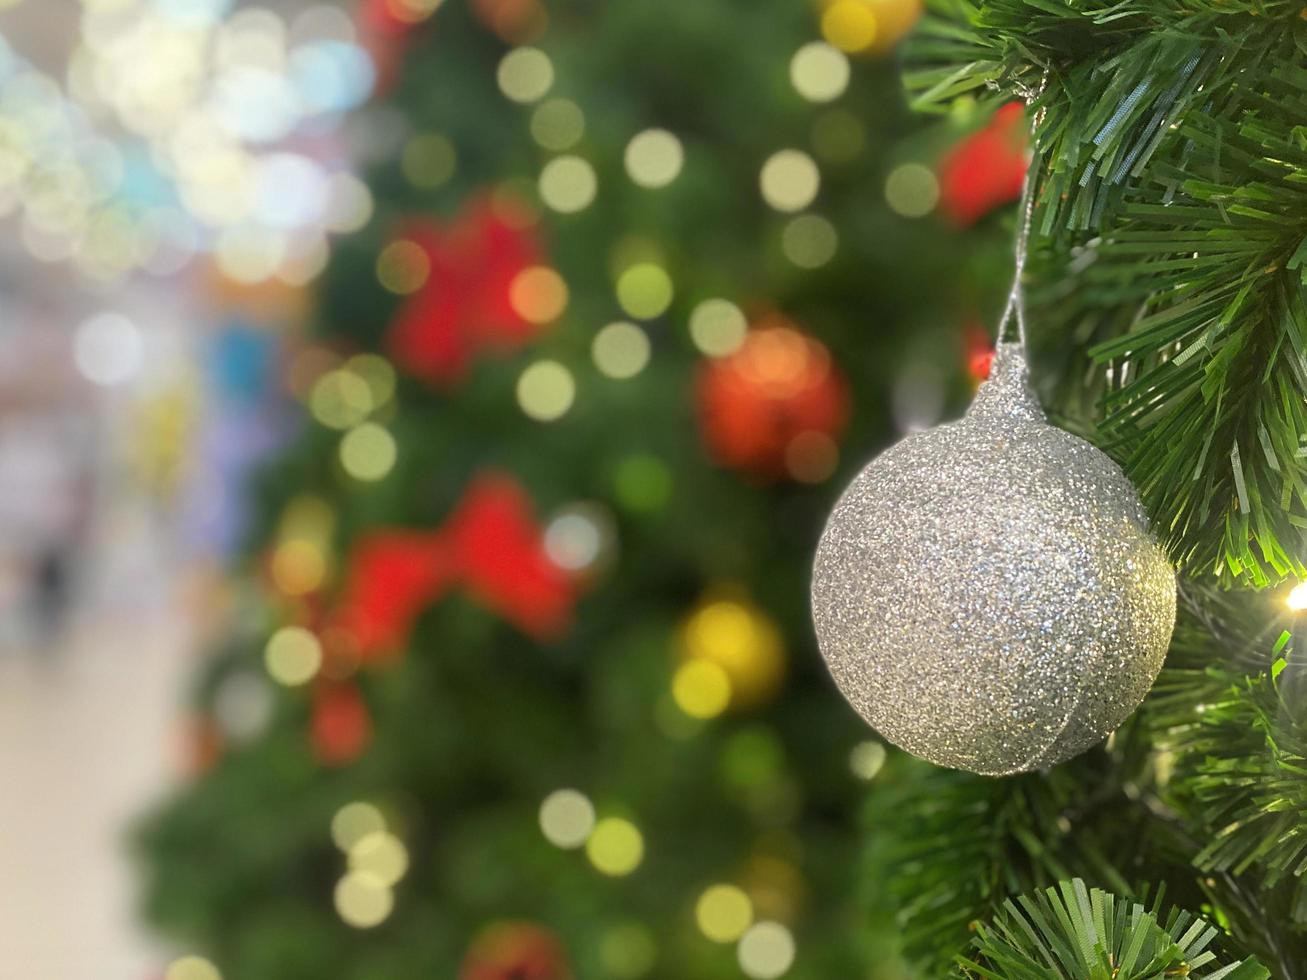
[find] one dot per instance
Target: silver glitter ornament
(987, 593)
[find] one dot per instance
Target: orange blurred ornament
(775, 407)
(516, 951)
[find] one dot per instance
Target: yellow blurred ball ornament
(739, 640)
(869, 27)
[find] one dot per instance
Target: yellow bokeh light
(866, 759)
(717, 327)
(377, 373)
(724, 913)
(557, 124)
(850, 25)
(819, 72)
(298, 567)
(766, 951)
(293, 656)
(789, 180)
(912, 190)
(615, 847)
(538, 294)
(1297, 598)
(621, 350)
(340, 399)
(567, 818)
(654, 158)
(191, 968)
(381, 855)
(628, 951)
(743, 642)
(545, 391)
(368, 452)
(525, 74)
(568, 184)
(403, 267)
(429, 160)
(809, 241)
(353, 822)
(362, 900)
(644, 290)
(701, 688)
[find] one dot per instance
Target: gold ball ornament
(742, 641)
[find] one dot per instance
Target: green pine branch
(1073, 932)
(1171, 153)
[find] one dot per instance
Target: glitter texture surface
(987, 594)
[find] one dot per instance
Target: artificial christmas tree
(589, 735)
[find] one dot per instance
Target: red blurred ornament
(987, 169)
(341, 725)
(204, 745)
(776, 405)
(515, 21)
(515, 951)
(979, 350)
(392, 578)
(500, 555)
(463, 306)
(490, 546)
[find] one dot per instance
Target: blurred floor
(87, 733)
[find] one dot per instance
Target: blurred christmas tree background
(521, 681)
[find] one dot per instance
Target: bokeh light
(546, 390)
(538, 294)
(298, 567)
(354, 821)
(363, 901)
(701, 688)
(723, 913)
(568, 184)
(766, 951)
(525, 74)
(644, 290)
(557, 124)
(789, 180)
(621, 350)
(1297, 598)
(380, 854)
(627, 951)
(429, 160)
(866, 759)
(809, 241)
(838, 136)
(108, 349)
(191, 968)
(819, 72)
(293, 656)
(654, 158)
(811, 457)
(403, 267)
(340, 399)
(578, 536)
(567, 818)
(368, 452)
(615, 847)
(911, 190)
(718, 327)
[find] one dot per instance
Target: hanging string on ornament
(987, 594)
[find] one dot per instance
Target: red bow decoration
(463, 306)
(489, 545)
(987, 169)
